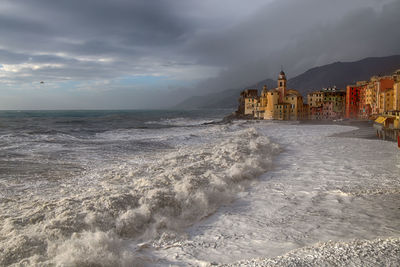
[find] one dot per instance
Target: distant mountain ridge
(343, 73)
(223, 99)
(337, 74)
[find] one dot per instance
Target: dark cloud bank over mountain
(197, 47)
(279, 36)
(337, 74)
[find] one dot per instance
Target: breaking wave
(111, 213)
(181, 122)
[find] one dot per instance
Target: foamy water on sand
(131, 189)
(343, 191)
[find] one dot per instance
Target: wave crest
(146, 201)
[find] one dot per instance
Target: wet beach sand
(365, 128)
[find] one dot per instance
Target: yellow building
(277, 104)
(315, 99)
(247, 102)
(396, 98)
(385, 94)
(263, 97)
(282, 111)
(262, 104)
(250, 104)
(370, 94)
(272, 101)
(295, 100)
(283, 104)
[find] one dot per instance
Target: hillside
(343, 73)
(338, 73)
(223, 99)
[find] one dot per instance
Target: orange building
(385, 94)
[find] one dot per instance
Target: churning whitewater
(100, 198)
(136, 188)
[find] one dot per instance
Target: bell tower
(281, 85)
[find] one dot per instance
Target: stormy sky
(131, 54)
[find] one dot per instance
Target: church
(280, 103)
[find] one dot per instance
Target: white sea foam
(180, 122)
(321, 188)
(114, 211)
(378, 252)
(166, 207)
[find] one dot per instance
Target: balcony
(392, 113)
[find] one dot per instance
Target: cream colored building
(315, 99)
(250, 104)
(283, 104)
(396, 99)
(276, 104)
(272, 101)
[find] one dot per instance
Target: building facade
(352, 101)
(276, 104)
(247, 102)
(284, 104)
(327, 104)
(371, 98)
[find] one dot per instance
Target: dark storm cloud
(299, 35)
(237, 42)
(120, 30)
(130, 22)
(7, 57)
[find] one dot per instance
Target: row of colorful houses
(377, 99)
(282, 103)
(368, 99)
(326, 104)
(363, 100)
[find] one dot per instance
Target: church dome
(282, 73)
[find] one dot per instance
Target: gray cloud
(219, 45)
(299, 35)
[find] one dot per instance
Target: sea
(187, 188)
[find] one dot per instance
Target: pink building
(330, 111)
(315, 113)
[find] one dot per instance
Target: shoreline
(318, 196)
(364, 129)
